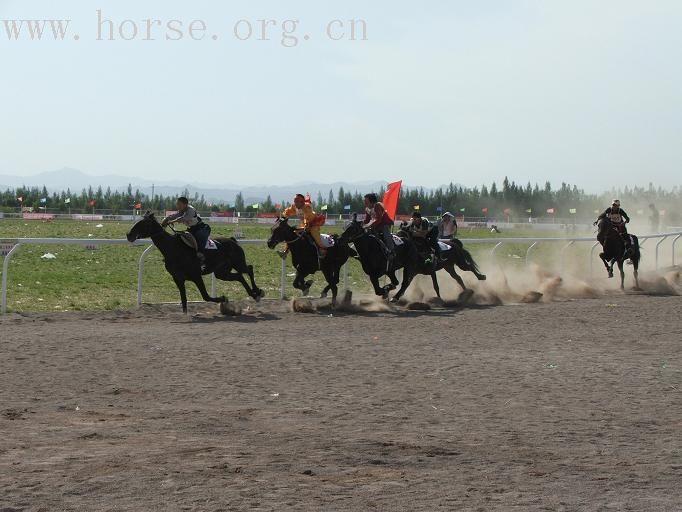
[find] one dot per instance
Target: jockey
(618, 219)
(308, 221)
(447, 229)
(420, 227)
(378, 222)
(188, 216)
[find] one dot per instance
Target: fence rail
(15, 243)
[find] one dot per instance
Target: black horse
(227, 261)
(306, 260)
(617, 251)
(455, 255)
(374, 261)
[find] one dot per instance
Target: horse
(455, 255)
(304, 256)
(615, 251)
(375, 262)
(227, 261)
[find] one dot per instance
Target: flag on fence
(92, 202)
(573, 211)
(439, 209)
(462, 210)
(256, 206)
(416, 207)
(138, 206)
(550, 210)
(484, 210)
(67, 200)
(323, 208)
(347, 207)
(507, 211)
(20, 199)
(391, 197)
(43, 200)
(529, 210)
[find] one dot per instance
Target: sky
(579, 91)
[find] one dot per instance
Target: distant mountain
(56, 181)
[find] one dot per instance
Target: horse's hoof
(323, 295)
(222, 299)
(610, 275)
(482, 277)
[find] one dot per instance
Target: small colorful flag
(138, 206)
(573, 211)
(507, 211)
(256, 206)
(529, 210)
(439, 209)
(416, 207)
(550, 210)
(323, 208)
(92, 202)
(43, 200)
(67, 200)
(462, 210)
(347, 207)
(484, 210)
(20, 199)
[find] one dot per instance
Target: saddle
(191, 242)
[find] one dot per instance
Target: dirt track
(573, 405)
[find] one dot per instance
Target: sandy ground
(564, 405)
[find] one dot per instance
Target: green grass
(106, 278)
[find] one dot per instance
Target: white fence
(16, 243)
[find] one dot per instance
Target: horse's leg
(257, 292)
(236, 276)
(180, 283)
(199, 282)
(378, 290)
(332, 278)
(606, 264)
(622, 274)
(450, 269)
(394, 280)
(434, 279)
(407, 279)
(635, 265)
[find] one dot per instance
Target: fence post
(563, 254)
(140, 273)
(674, 244)
(658, 244)
(5, 270)
(594, 246)
(528, 253)
(283, 280)
(497, 246)
(213, 285)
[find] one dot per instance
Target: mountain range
(59, 180)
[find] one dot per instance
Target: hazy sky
(579, 91)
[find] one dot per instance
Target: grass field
(106, 278)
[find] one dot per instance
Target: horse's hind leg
(204, 293)
(434, 279)
(332, 284)
(236, 276)
(257, 292)
(622, 274)
(450, 269)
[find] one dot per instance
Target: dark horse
(375, 262)
(182, 263)
(455, 255)
(616, 251)
(305, 259)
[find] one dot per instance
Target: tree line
(509, 200)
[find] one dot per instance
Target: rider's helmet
(447, 215)
(615, 204)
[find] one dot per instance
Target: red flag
(550, 210)
(391, 197)
(138, 206)
(92, 202)
(20, 199)
(484, 210)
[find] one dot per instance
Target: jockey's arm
(289, 212)
(308, 216)
(172, 218)
(625, 215)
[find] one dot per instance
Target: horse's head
(280, 232)
(353, 230)
(144, 228)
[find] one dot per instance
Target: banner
(391, 197)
